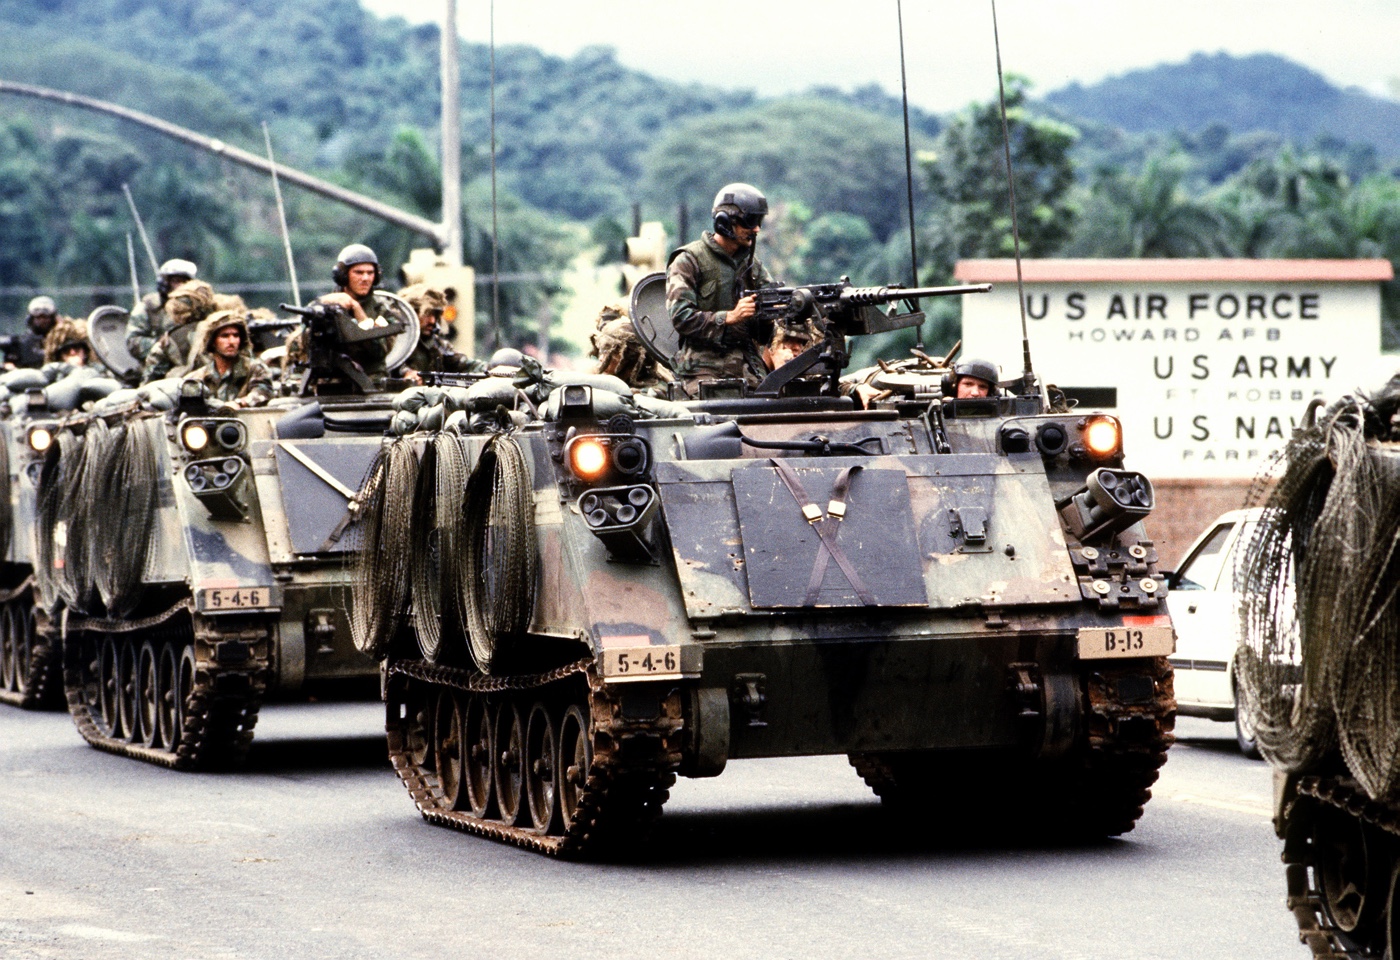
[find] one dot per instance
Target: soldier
(186, 306)
(974, 379)
(148, 318)
(28, 349)
(356, 273)
(707, 298)
(620, 351)
(433, 354)
(789, 341)
(230, 373)
(66, 344)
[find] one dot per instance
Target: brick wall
(1184, 509)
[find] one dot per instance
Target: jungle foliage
(354, 98)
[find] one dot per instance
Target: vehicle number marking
(228, 599)
(658, 661)
(1101, 643)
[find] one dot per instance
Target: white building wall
(1210, 376)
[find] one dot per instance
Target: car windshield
(1203, 568)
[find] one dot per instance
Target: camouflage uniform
(369, 354)
(187, 304)
(702, 284)
(620, 352)
(248, 383)
(144, 327)
(434, 353)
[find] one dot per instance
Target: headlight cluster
(595, 458)
(221, 484)
(213, 436)
(1096, 437)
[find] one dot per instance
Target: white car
(1206, 614)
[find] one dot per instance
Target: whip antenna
(141, 229)
(131, 262)
(908, 167)
(495, 225)
(1015, 224)
(282, 217)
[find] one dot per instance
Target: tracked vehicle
(194, 553)
(1321, 637)
(29, 650)
(574, 608)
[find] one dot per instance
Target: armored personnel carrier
(194, 552)
(1321, 640)
(32, 402)
(580, 593)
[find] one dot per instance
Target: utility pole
(451, 139)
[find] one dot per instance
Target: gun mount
(332, 336)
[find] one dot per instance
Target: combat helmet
(355, 253)
(170, 272)
(738, 204)
(66, 333)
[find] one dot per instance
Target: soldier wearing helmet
(185, 307)
(434, 354)
(27, 349)
(356, 274)
(225, 363)
(709, 298)
(149, 320)
(973, 379)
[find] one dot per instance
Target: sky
(782, 46)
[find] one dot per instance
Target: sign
(1208, 374)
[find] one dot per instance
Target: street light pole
(451, 139)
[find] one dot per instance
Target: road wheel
(509, 761)
(147, 701)
(184, 688)
(167, 692)
(8, 667)
(476, 757)
(128, 697)
(447, 749)
(575, 757)
(24, 642)
(109, 695)
(541, 769)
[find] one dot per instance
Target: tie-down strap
(826, 525)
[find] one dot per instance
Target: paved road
(316, 852)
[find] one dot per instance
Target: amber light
(1101, 437)
(588, 458)
(40, 439)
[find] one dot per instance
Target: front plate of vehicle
(1107, 643)
(658, 662)
(235, 599)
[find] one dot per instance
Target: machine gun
(840, 310)
(329, 331)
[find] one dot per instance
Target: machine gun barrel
(874, 296)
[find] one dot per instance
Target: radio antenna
(1029, 374)
(909, 169)
(282, 217)
(131, 262)
(495, 224)
(141, 229)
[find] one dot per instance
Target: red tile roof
(1174, 271)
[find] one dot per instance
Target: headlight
(588, 458)
(227, 436)
(195, 437)
(40, 439)
(1102, 437)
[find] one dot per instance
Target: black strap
(826, 526)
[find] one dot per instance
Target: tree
(966, 173)
(1149, 214)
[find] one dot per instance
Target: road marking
(1248, 805)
